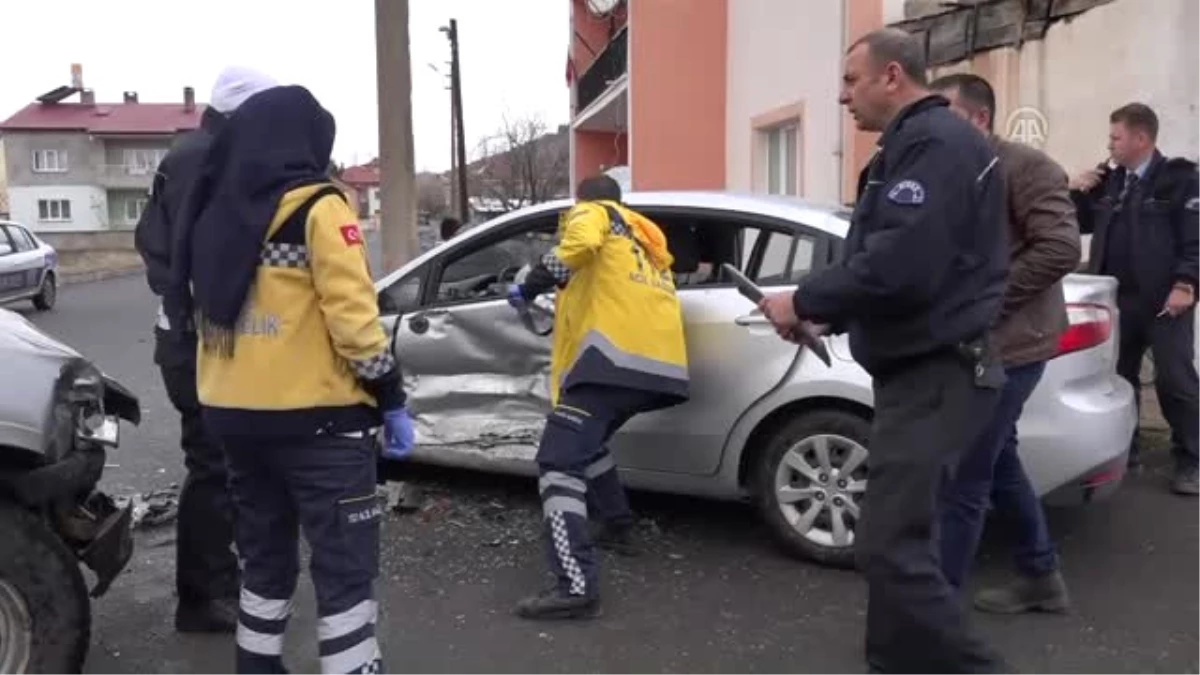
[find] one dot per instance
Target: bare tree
(521, 163)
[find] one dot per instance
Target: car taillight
(1090, 325)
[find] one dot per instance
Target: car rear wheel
(45, 299)
(45, 612)
(810, 483)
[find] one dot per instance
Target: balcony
(610, 66)
(126, 177)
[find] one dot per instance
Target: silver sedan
(767, 421)
(28, 267)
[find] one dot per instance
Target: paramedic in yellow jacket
(295, 375)
(618, 351)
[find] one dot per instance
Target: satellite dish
(602, 7)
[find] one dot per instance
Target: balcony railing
(610, 65)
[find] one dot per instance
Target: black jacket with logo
(173, 182)
(926, 259)
(1149, 240)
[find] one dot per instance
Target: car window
(402, 297)
(21, 238)
(786, 259)
(482, 271)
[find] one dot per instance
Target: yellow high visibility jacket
(618, 320)
(310, 353)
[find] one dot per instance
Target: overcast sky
(513, 55)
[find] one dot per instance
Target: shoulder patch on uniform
(352, 235)
(1192, 204)
(908, 192)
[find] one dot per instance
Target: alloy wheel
(820, 484)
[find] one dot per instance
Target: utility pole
(398, 187)
(457, 113)
(453, 154)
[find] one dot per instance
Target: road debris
(152, 509)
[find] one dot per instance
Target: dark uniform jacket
(158, 226)
(1148, 240)
(926, 257)
(1044, 241)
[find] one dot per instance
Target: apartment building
(742, 94)
(86, 166)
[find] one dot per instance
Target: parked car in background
(767, 420)
(28, 267)
(59, 416)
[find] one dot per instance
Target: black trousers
(578, 479)
(325, 485)
(206, 567)
(926, 416)
(1172, 342)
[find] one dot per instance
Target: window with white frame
(134, 208)
(782, 159)
(50, 161)
(143, 160)
(54, 210)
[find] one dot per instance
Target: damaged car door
(477, 378)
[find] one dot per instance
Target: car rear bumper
(1075, 437)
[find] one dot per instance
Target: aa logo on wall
(1027, 125)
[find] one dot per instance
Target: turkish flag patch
(352, 235)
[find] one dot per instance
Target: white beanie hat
(235, 84)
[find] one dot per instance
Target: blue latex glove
(398, 434)
(516, 297)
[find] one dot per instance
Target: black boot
(554, 605)
(617, 537)
(213, 616)
(1047, 593)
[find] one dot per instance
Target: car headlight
(87, 387)
(86, 396)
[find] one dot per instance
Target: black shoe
(214, 616)
(617, 538)
(1186, 481)
(553, 605)
(1047, 593)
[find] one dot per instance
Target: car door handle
(752, 320)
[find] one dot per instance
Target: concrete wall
(1129, 50)
(775, 78)
(85, 158)
(89, 207)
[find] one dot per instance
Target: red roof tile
(367, 174)
(105, 118)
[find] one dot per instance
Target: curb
(72, 278)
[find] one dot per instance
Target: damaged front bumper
(101, 533)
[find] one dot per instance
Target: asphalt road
(710, 595)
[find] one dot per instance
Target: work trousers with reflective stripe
(325, 484)
(577, 472)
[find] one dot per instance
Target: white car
(28, 267)
(766, 420)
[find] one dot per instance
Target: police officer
(206, 569)
(618, 351)
(295, 375)
(1142, 216)
(922, 280)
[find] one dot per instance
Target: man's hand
(399, 437)
(781, 312)
(1085, 181)
(816, 329)
(1181, 299)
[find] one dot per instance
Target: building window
(50, 161)
(782, 152)
(134, 209)
(140, 161)
(54, 210)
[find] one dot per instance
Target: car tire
(48, 295)
(43, 598)
(800, 496)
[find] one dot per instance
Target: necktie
(1130, 179)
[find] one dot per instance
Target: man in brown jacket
(1044, 240)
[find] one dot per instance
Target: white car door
(477, 378)
(15, 270)
(734, 356)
